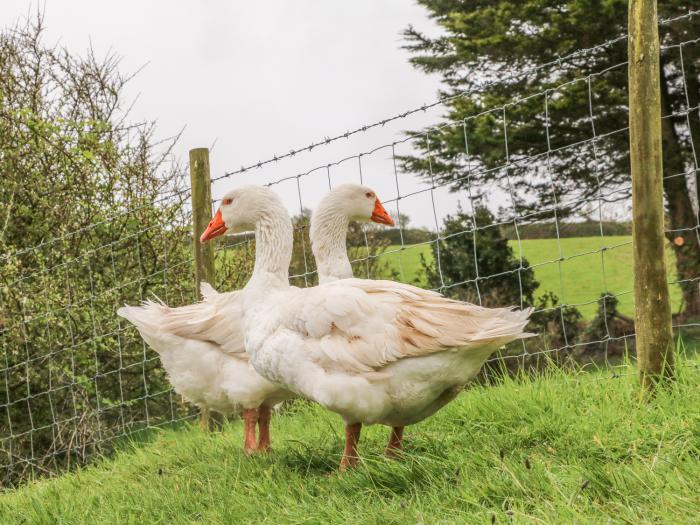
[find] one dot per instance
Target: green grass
(564, 448)
(579, 280)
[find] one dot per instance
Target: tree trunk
(680, 210)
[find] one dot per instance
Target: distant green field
(579, 279)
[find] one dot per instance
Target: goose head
(356, 202)
(242, 209)
(329, 227)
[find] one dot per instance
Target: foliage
(559, 323)
(473, 262)
(548, 160)
(91, 217)
(608, 329)
(562, 448)
(235, 257)
(408, 236)
(566, 230)
(404, 235)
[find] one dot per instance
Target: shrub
(91, 216)
(606, 335)
(473, 262)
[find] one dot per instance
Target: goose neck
(273, 249)
(328, 234)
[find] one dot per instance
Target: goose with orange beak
(201, 345)
(373, 351)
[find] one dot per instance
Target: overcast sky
(260, 78)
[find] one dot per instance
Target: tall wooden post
(652, 306)
(201, 215)
(203, 254)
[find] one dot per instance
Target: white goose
(201, 348)
(201, 345)
(372, 351)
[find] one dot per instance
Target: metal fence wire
(75, 378)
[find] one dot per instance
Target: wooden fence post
(201, 215)
(652, 307)
(204, 269)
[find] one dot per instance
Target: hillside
(582, 276)
(561, 449)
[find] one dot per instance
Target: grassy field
(581, 278)
(564, 448)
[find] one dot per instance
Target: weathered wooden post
(204, 269)
(652, 306)
(201, 215)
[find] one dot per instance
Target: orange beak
(380, 215)
(215, 228)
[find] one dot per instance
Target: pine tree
(485, 42)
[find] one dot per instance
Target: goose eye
(369, 195)
(226, 202)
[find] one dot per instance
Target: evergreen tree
(550, 158)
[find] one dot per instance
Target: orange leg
(352, 437)
(264, 415)
(395, 442)
(250, 419)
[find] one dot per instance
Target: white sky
(261, 78)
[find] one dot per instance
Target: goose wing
(360, 326)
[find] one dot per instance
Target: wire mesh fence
(530, 173)
(75, 376)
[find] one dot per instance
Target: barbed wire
(444, 100)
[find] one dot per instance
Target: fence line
(77, 378)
